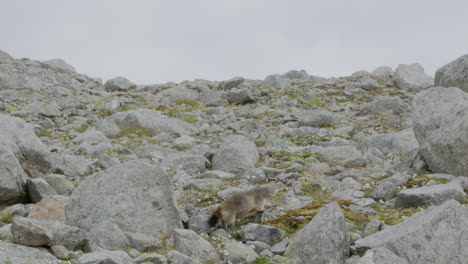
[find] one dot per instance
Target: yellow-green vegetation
(190, 119)
(81, 129)
(393, 216)
(262, 260)
(315, 102)
(139, 132)
(285, 159)
(45, 133)
(185, 102)
(6, 218)
(421, 180)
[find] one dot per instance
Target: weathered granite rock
(235, 155)
(236, 252)
(316, 118)
(381, 255)
(256, 232)
(430, 195)
(412, 77)
(386, 189)
(105, 256)
(119, 84)
(121, 193)
(39, 189)
(193, 245)
(59, 64)
(323, 240)
(13, 253)
(436, 235)
(454, 74)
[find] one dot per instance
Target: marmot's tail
(214, 217)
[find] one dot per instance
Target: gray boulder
(179, 94)
(368, 84)
(236, 252)
(436, 235)
(240, 96)
(39, 189)
(401, 144)
(12, 253)
(392, 105)
(135, 196)
(412, 77)
(386, 189)
(381, 255)
(153, 258)
(44, 109)
(440, 125)
(37, 232)
(105, 257)
(59, 64)
(342, 155)
(193, 245)
(232, 83)
(119, 84)
(276, 81)
(267, 234)
(148, 121)
(383, 71)
(296, 75)
(176, 257)
(143, 242)
(454, 74)
(108, 236)
(430, 195)
(236, 155)
(323, 240)
(316, 118)
(12, 176)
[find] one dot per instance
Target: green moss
(45, 133)
(262, 260)
(185, 102)
(393, 216)
(139, 132)
(7, 218)
(315, 102)
(190, 119)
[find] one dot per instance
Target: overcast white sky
(151, 41)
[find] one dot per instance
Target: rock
(118, 84)
(258, 246)
(42, 108)
(232, 83)
(203, 184)
(280, 247)
(277, 144)
(256, 232)
(381, 255)
(368, 84)
(316, 118)
(60, 184)
(91, 136)
(454, 74)
(401, 144)
(343, 155)
(199, 223)
(38, 232)
(430, 195)
(372, 227)
(175, 256)
(143, 242)
(323, 240)
(440, 121)
(21, 140)
(147, 121)
(179, 95)
(236, 154)
(121, 193)
(30, 234)
(392, 105)
(12, 253)
(383, 72)
(109, 236)
(276, 81)
(150, 258)
(292, 202)
(435, 235)
(12, 176)
(59, 64)
(236, 252)
(39, 189)
(193, 245)
(296, 75)
(105, 256)
(386, 189)
(240, 96)
(51, 208)
(5, 233)
(412, 77)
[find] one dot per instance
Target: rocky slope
(368, 168)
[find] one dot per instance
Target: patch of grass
(393, 216)
(262, 260)
(185, 102)
(7, 218)
(421, 180)
(190, 119)
(45, 133)
(139, 132)
(81, 129)
(315, 102)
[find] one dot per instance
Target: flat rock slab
(12, 253)
(436, 235)
(430, 195)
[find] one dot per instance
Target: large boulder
(316, 118)
(119, 84)
(401, 144)
(323, 240)
(236, 154)
(135, 196)
(12, 176)
(105, 257)
(193, 245)
(179, 94)
(430, 195)
(267, 234)
(20, 139)
(440, 123)
(412, 77)
(276, 81)
(381, 255)
(454, 74)
(59, 64)
(436, 235)
(12, 253)
(146, 121)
